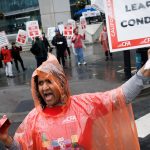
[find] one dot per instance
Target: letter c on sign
(123, 23)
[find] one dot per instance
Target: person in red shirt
(7, 59)
(78, 46)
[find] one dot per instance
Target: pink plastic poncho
(97, 121)
(104, 39)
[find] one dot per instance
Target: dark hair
(13, 43)
(37, 38)
(42, 102)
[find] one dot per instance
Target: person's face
(14, 45)
(76, 31)
(57, 33)
(48, 91)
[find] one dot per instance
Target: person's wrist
(144, 72)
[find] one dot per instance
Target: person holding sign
(46, 43)
(78, 45)
(39, 51)
(89, 121)
(16, 56)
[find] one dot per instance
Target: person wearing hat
(59, 41)
(88, 121)
(16, 56)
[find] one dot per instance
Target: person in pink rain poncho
(103, 38)
(89, 121)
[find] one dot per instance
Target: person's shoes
(24, 69)
(111, 58)
(69, 57)
(7, 76)
(11, 76)
(106, 59)
(18, 71)
(79, 63)
(84, 63)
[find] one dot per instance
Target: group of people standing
(8, 55)
(41, 47)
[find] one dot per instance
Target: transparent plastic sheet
(97, 121)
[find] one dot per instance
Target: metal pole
(127, 64)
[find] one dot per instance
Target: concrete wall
(53, 12)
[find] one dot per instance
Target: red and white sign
(128, 24)
(68, 30)
(32, 28)
(3, 39)
(83, 22)
(21, 37)
(71, 21)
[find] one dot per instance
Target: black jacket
(60, 43)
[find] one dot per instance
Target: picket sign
(68, 30)
(21, 37)
(128, 24)
(33, 30)
(3, 39)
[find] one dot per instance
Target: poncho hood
(53, 71)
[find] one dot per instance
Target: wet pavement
(97, 75)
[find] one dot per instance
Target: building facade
(17, 13)
(54, 12)
(49, 13)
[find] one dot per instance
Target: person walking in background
(7, 59)
(39, 51)
(59, 41)
(77, 40)
(104, 42)
(16, 56)
(46, 43)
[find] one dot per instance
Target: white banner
(91, 14)
(51, 33)
(83, 22)
(3, 39)
(21, 37)
(73, 22)
(61, 28)
(128, 24)
(32, 28)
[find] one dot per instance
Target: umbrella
(84, 10)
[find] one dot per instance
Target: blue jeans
(80, 57)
